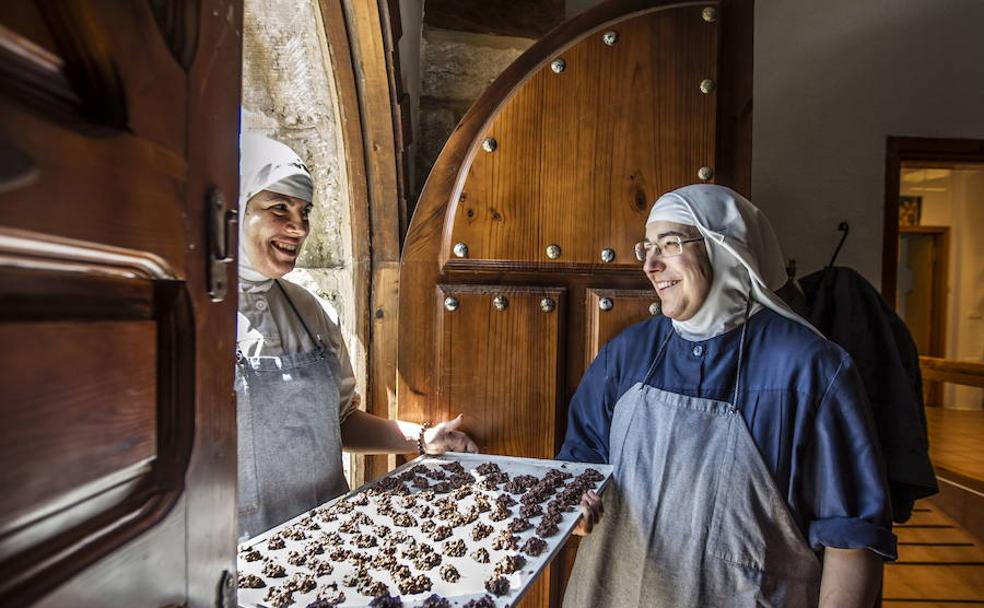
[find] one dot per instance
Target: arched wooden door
(118, 163)
(519, 262)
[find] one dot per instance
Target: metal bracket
(223, 227)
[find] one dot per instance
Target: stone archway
(316, 75)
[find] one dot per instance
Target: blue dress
(800, 397)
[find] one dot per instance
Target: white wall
(833, 79)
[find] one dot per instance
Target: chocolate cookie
(480, 531)
(534, 545)
(505, 540)
(249, 581)
(497, 585)
(386, 601)
(480, 555)
(519, 524)
(510, 564)
(274, 570)
(450, 574)
(279, 597)
(436, 601)
(455, 548)
(252, 556)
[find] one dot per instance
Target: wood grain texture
(361, 47)
(936, 569)
(102, 401)
(80, 400)
(103, 262)
(969, 373)
(629, 306)
(500, 367)
(582, 155)
(212, 129)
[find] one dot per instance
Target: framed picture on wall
(910, 210)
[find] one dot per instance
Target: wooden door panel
(98, 398)
(140, 188)
(500, 367)
(581, 155)
(609, 311)
(82, 404)
(118, 126)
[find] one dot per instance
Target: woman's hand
(445, 437)
(591, 512)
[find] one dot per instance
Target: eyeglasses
(670, 247)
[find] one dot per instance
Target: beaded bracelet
(420, 438)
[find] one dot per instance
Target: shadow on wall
(832, 81)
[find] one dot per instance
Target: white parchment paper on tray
(338, 527)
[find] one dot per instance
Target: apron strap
(659, 354)
(741, 353)
(741, 350)
(314, 340)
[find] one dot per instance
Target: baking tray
(473, 574)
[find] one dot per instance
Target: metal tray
(473, 574)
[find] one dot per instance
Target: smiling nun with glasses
(747, 472)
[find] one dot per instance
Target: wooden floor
(940, 565)
(956, 441)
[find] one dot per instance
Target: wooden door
(118, 139)
(519, 262)
(923, 264)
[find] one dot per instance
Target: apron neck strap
(741, 350)
(314, 339)
(741, 353)
(659, 355)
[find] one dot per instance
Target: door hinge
(223, 227)
(226, 596)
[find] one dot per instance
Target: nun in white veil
(747, 471)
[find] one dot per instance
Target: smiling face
(274, 228)
(683, 281)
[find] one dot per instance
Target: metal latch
(223, 226)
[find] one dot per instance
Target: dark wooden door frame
(374, 120)
(899, 150)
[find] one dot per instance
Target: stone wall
(288, 94)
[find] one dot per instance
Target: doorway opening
(933, 275)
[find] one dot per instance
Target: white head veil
(266, 164)
(744, 254)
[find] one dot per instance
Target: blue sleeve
(843, 482)
(589, 417)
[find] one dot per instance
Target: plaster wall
(832, 81)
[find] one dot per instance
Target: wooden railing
(969, 373)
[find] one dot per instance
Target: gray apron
(290, 447)
(693, 516)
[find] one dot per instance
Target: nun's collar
(247, 286)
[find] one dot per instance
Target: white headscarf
(266, 164)
(744, 254)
